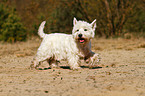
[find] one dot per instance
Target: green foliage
(11, 28)
(114, 17)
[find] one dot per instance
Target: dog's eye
(85, 29)
(77, 29)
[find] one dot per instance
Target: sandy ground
(122, 71)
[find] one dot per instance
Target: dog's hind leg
(37, 62)
(53, 63)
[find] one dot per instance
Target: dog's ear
(93, 24)
(74, 21)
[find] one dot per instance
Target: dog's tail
(40, 30)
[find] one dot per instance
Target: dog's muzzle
(81, 39)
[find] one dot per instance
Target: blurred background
(20, 19)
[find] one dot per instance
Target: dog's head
(82, 31)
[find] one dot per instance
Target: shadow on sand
(67, 67)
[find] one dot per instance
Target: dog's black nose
(80, 35)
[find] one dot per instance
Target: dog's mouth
(81, 40)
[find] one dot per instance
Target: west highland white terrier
(71, 47)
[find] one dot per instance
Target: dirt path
(122, 72)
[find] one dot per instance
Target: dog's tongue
(81, 41)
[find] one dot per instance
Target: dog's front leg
(73, 61)
(93, 60)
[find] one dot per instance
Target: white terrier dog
(58, 46)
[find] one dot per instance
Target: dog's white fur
(58, 46)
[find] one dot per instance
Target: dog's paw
(76, 68)
(32, 67)
(93, 61)
(96, 58)
(54, 66)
